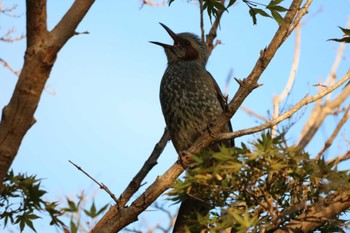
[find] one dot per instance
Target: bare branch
(7, 66)
(278, 99)
(153, 3)
(323, 111)
(7, 37)
(335, 133)
(314, 120)
(254, 114)
(201, 19)
(148, 165)
(65, 29)
(339, 159)
(212, 33)
(306, 100)
(102, 186)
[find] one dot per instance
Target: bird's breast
(189, 102)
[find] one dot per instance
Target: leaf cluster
(79, 215)
(274, 8)
(21, 198)
(259, 187)
(346, 37)
(213, 7)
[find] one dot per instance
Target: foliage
(21, 198)
(346, 37)
(82, 218)
(260, 187)
(213, 7)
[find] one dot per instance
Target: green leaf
(103, 209)
(277, 8)
(279, 19)
(252, 13)
(274, 3)
(345, 31)
(261, 12)
(344, 39)
(230, 3)
(73, 227)
(92, 212)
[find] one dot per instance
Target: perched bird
(190, 99)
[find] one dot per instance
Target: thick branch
(117, 218)
(40, 55)
(318, 214)
(65, 29)
(36, 21)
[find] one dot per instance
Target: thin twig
(201, 19)
(314, 120)
(135, 184)
(278, 99)
(102, 186)
(6, 65)
(306, 100)
(339, 159)
(152, 3)
(212, 33)
(323, 111)
(337, 129)
(254, 114)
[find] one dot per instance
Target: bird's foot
(185, 159)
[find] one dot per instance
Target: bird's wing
(222, 100)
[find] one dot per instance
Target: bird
(190, 100)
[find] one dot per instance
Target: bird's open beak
(172, 35)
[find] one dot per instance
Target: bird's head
(186, 47)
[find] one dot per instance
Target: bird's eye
(187, 43)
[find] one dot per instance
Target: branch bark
(319, 213)
(40, 56)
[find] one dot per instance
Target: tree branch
(40, 55)
(278, 99)
(6, 65)
(339, 159)
(65, 29)
(135, 184)
(36, 21)
(318, 213)
(306, 100)
(117, 218)
(335, 133)
(323, 111)
(212, 33)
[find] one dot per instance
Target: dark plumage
(190, 100)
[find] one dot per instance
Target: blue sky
(100, 107)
